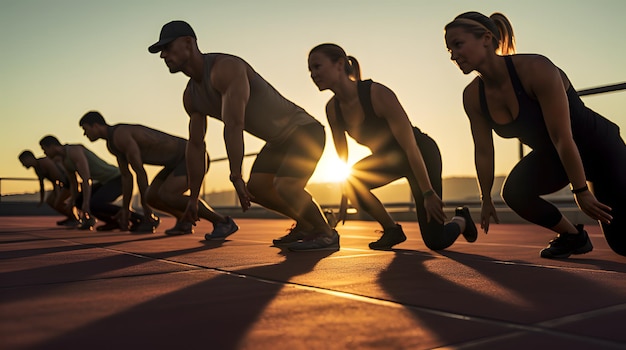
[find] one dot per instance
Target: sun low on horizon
(333, 170)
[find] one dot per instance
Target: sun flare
(334, 170)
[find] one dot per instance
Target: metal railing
(36, 179)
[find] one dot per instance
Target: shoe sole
(583, 250)
(284, 243)
(314, 249)
(471, 232)
(209, 237)
(373, 246)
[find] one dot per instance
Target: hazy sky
(62, 58)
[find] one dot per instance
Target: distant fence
(36, 179)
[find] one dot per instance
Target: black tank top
(588, 127)
(374, 132)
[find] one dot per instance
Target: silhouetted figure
(51, 170)
(136, 145)
(226, 87)
(101, 184)
(371, 114)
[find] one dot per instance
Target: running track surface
(70, 289)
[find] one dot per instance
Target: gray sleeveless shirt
(269, 116)
(101, 171)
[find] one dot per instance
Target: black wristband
(234, 178)
(428, 193)
(580, 190)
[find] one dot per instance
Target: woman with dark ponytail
(529, 98)
(371, 114)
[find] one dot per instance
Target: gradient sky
(62, 58)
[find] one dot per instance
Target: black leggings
(385, 167)
(541, 173)
(102, 198)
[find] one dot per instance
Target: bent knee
(257, 188)
(288, 186)
(514, 196)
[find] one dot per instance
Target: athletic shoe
(470, 233)
(69, 222)
(146, 226)
(295, 234)
(221, 230)
(109, 226)
(87, 223)
(566, 244)
(181, 228)
(391, 236)
(317, 242)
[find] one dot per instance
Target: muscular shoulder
(533, 66)
(46, 165)
(226, 68)
(76, 152)
(381, 91)
(536, 72)
(119, 137)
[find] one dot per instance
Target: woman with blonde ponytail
(526, 96)
(371, 114)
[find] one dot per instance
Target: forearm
(233, 138)
(73, 191)
(86, 186)
(127, 191)
(196, 165)
(142, 184)
(572, 163)
(416, 161)
(485, 172)
(42, 191)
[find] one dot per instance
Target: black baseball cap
(171, 31)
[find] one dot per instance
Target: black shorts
(177, 166)
(295, 157)
(179, 169)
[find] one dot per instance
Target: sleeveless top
(101, 171)
(268, 116)
(63, 181)
(530, 128)
(373, 132)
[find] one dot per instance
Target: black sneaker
(221, 230)
(109, 226)
(146, 226)
(87, 223)
(295, 234)
(566, 244)
(316, 242)
(181, 228)
(470, 233)
(69, 222)
(390, 237)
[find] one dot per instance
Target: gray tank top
(101, 171)
(269, 116)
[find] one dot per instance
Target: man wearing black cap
(227, 88)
